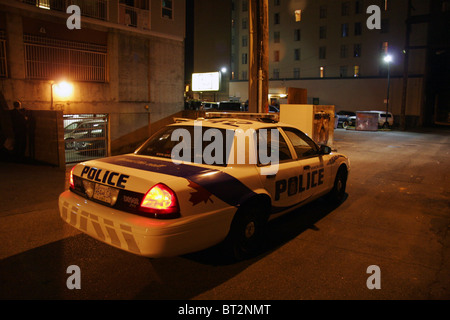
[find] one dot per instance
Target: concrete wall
(145, 80)
(353, 94)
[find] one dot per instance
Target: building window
(276, 56)
(344, 50)
(276, 18)
(384, 47)
(358, 28)
(47, 58)
(276, 2)
(276, 74)
(356, 71)
(167, 9)
(244, 41)
(321, 72)
(345, 8)
(244, 75)
(296, 54)
(343, 71)
(298, 15)
(357, 50)
(296, 73)
(322, 52)
(244, 23)
(344, 30)
(323, 32)
(244, 58)
(276, 37)
(244, 5)
(323, 12)
(297, 35)
(385, 5)
(357, 6)
(3, 64)
(384, 25)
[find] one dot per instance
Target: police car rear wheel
(246, 233)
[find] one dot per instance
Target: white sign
(206, 81)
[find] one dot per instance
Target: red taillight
(160, 201)
(71, 184)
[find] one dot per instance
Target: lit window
(356, 71)
(322, 71)
(276, 56)
(385, 47)
(43, 4)
(298, 15)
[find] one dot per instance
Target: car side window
(303, 145)
(273, 143)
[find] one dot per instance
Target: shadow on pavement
(108, 273)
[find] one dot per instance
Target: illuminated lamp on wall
(62, 90)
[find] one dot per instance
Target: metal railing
(52, 59)
(97, 9)
(134, 17)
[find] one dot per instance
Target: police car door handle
(307, 167)
(271, 176)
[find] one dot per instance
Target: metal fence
(3, 65)
(97, 9)
(52, 58)
(85, 136)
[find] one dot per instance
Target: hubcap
(250, 230)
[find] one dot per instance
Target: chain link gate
(85, 136)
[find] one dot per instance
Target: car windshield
(195, 144)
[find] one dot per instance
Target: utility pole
(258, 83)
(405, 68)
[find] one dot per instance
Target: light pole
(388, 60)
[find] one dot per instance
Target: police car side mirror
(324, 149)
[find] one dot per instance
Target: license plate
(105, 194)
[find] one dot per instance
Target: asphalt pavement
(396, 216)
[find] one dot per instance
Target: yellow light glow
(63, 89)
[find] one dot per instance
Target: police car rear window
(194, 144)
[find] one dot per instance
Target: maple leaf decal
(200, 194)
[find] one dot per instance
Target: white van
(382, 119)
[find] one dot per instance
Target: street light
(388, 60)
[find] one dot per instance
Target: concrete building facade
(335, 50)
(126, 60)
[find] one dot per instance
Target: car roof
(231, 123)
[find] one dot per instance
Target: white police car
(198, 183)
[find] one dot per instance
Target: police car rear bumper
(145, 236)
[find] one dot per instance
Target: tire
(247, 232)
(337, 194)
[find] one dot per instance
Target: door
(282, 184)
(314, 177)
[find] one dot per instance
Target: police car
(198, 183)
